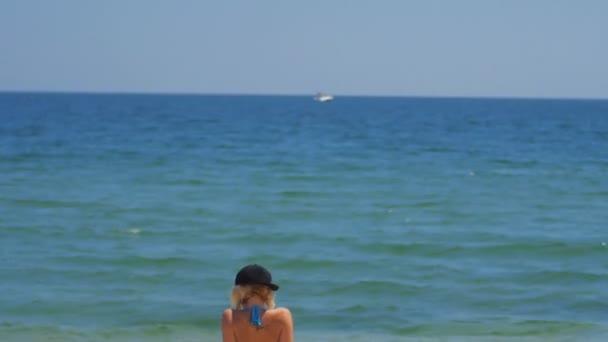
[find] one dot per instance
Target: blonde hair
(242, 293)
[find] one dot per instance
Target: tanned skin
(277, 325)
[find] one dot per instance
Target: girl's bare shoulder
(282, 315)
(227, 315)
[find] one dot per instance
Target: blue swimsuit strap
(256, 316)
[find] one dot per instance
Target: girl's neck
(253, 301)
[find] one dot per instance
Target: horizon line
(269, 94)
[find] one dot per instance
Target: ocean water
(126, 217)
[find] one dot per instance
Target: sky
(480, 48)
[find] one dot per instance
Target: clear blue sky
(521, 48)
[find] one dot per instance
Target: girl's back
(276, 326)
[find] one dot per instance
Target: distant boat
(321, 97)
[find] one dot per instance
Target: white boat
(323, 97)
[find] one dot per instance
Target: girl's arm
(227, 332)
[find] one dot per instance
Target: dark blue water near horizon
(124, 217)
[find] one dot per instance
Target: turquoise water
(125, 217)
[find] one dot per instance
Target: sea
(125, 217)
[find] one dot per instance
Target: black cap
(255, 275)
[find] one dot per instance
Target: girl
(253, 316)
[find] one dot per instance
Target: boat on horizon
(322, 97)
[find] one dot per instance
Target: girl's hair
(242, 293)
